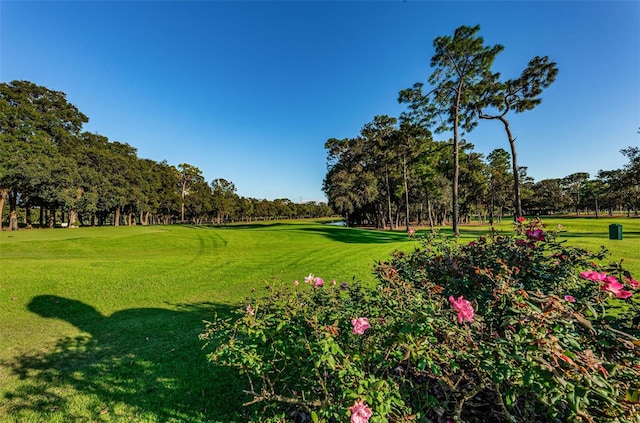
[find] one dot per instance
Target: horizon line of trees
(51, 171)
(394, 172)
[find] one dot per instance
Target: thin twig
(475, 391)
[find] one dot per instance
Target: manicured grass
(592, 234)
(102, 324)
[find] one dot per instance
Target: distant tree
(284, 208)
(199, 202)
(351, 183)
(473, 184)
(189, 175)
(246, 208)
(124, 180)
(498, 98)
(573, 185)
(169, 200)
(264, 209)
(499, 176)
(459, 63)
(592, 191)
(225, 199)
(411, 141)
(612, 197)
(431, 169)
(630, 177)
(632, 167)
(548, 196)
(379, 135)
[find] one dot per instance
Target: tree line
(394, 172)
(51, 171)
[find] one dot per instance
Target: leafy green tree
(573, 185)
(592, 191)
(284, 208)
(34, 123)
(264, 209)
(246, 208)
(169, 201)
(548, 196)
(225, 199)
(351, 184)
(498, 175)
(124, 181)
(459, 63)
(93, 161)
(498, 98)
(474, 185)
(199, 202)
(411, 142)
(629, 179)
(379, 135)
(613, 185)
(189, 175)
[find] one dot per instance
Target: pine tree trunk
(52, 216)
(27, 213)
(406, 189)
(13, 213)
(386, 174)
(517, 202)
(3, 195)
(73, 216)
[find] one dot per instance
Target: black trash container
(615, 231)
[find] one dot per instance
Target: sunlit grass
(102, 324)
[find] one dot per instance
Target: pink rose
(360, 325)
(535, 235)
(360, 413)
(570, 298)
(318, 282)
(463, 307)
(614, 286)
(592, 275)
(623, 294)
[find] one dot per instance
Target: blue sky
(251, 91)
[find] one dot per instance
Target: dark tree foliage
(48, 164)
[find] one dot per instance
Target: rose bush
(505, 328)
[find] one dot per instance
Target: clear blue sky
(250, 91)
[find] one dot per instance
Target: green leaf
(314, 417)
(632, 396)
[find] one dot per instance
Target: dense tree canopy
(52, 171)
(397, 173)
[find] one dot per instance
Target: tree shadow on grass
(144, 364)
(358, 236)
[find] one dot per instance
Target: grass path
(102, 324)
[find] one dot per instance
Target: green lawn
(102, 324)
